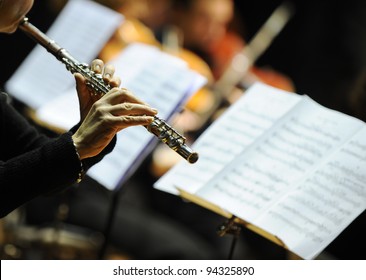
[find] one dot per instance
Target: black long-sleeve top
(32, 164)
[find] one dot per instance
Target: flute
(163, 131)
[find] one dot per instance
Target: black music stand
(109, 224)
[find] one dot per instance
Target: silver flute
(163, 131)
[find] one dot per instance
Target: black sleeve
(32, 164)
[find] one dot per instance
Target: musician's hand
(113, 112)
(87, 97)
(103, 117)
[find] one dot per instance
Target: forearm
(51, 166)
(48, 168)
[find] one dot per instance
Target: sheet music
(137, 67)
(301, 178)
(239, 127)
(325, 203)
(261, 184)
(61, 112)
(83, 27)
(157, 78)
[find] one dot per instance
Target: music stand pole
(230, 227)
(108, 228)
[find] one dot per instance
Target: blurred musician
(205, 28)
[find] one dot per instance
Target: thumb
(81, 87)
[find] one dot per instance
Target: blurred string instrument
(241, 72)
(164, 132)
(233, 65)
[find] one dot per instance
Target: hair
(112, 4)
(183, 4)
(1, 3)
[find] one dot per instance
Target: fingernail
(155, 110)
(97, 68)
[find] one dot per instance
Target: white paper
(302, 179)
(324, 204)
(227, 137)
(61, 112)
(275, 163)
(82, 28)
(261, 186)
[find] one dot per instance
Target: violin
(130, 31)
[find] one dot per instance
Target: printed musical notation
(296, 172)
(83, 28)
(228, 137)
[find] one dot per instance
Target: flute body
(163, 131)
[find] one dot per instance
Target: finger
(115, 82)
(97, 66)
(126, 121)
(80, 83)
(131, 109)
(120, 95)
(108, 73)
(83, 89)
(125, 95)
(83, 95)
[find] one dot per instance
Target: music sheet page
(265, 185)
(233, 132)
(323, 204)
(82, 28)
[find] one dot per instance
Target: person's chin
(10, 29)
